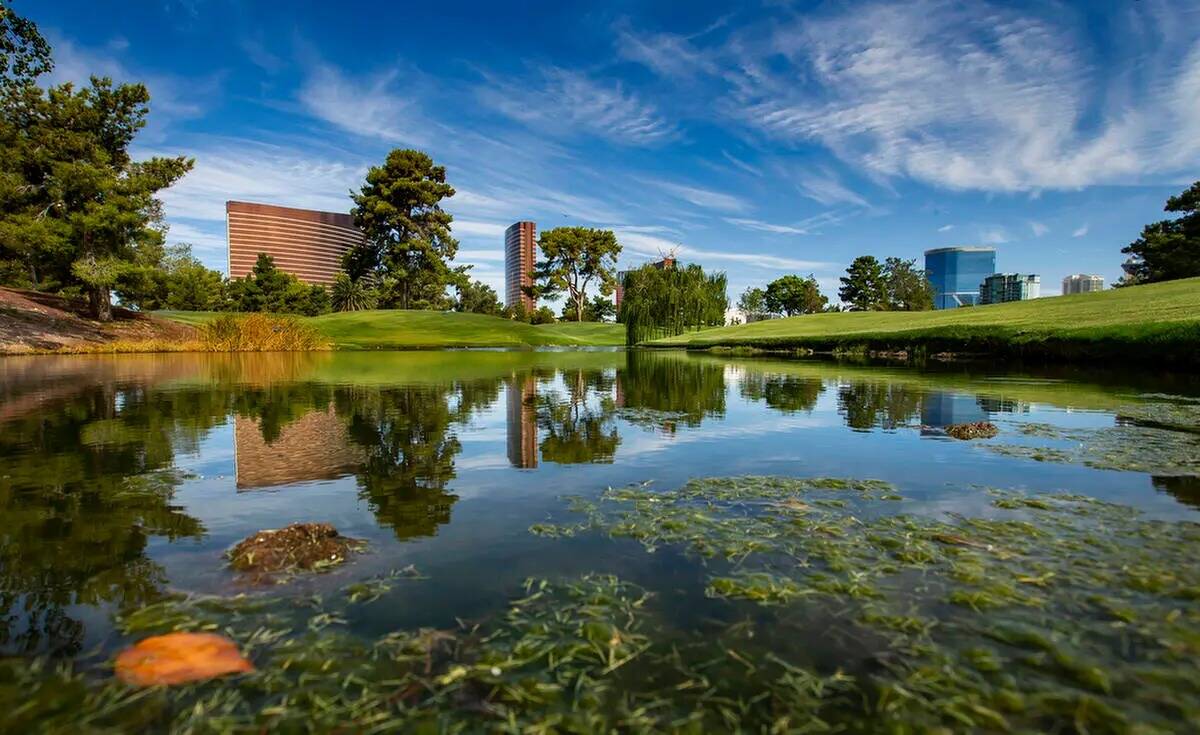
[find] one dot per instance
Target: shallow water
(124, 479)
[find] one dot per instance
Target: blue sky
(760, 139)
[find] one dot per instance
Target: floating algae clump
(973, 430)
(1134, 448)
(298, 546)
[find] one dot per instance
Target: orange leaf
(178, 658)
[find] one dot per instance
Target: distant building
(520, 252)
(1080, 283)
(667, 263)
(304, 242)
(956, 274)
(999, 288)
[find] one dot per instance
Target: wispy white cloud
(945, 228)
(654, 246)
(701, 197)
(742, 165)
(754, 224)
(975, 95)
(670, 55)
(474, 228)
(823, 186)
(1080, 231)
(373, 108)
(566, 102)
(1038, 229)
(993, 235)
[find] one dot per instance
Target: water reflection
(89, 447)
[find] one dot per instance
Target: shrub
(260, 333)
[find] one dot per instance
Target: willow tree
(664, 302)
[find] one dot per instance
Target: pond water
(125, 479)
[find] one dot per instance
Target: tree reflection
(85, 483)
(786, 393)
(662, 391)
(409, 448)
(883, 405)
(579, 426)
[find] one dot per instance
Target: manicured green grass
(396, 329)
(1159, 321)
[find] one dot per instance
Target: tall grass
(259, 333)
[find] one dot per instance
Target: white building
(1082, 283)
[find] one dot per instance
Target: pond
(604, 539)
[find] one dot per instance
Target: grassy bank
(396, 329)
(1156, 323)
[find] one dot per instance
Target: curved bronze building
(304, 242)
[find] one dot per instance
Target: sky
(755, 138)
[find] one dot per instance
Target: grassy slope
(1164, 318)
(408, 329)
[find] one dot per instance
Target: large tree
(794, 295)
(1169, 249)
(75, 208)
(908, 288)
(573, 258)
(662, 302)
(407, 241)
(863, 286)
(476, 297)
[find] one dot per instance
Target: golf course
(1157, 322)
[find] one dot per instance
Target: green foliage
(661, 302)
(407, 241)
(864, 287)
(476, 297)
(598, 309)
(1168, 249)
(260, 333)
(572, 259)
(266, 288)
(907, 287)
(792, 295)
(543, 315)
(73, 202)
(753, 303)
(352, 294)
(178, 281)
(24, 53)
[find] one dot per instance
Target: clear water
(123, 478)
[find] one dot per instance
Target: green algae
(1048, 613)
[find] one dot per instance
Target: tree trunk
(579, 308)
(101, 303)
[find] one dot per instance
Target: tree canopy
(662, 302)
(407, 241)
(794, 295)
(907, 287)
(476, 297)
(573, 258)
(1168, 249)
(753, 303)
(76, 210)
(863, 286)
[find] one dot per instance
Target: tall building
(667, 263)
(956, 274)
(1081, 283)
(520, 243)
(999, 288)
(306, 243)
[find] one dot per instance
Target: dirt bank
(38, 322)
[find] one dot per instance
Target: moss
(973, 430)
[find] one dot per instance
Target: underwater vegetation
(815, 605)
(1160, 437)
(1049, 613)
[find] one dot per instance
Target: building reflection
(315, 446)
(521, 424)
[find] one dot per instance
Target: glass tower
(956, 274)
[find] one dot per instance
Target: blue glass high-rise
(956, 274)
